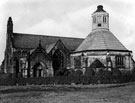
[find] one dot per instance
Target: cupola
(100, 19)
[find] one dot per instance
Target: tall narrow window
(77, 62)
(72, 61)
(85, 62)
(23, 65)
(104, 19)
(94, 19)
(99, 19)
(119, 60)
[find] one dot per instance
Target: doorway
(38, 70)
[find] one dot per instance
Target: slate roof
(101, 40)
(30, 41)
(50, 47)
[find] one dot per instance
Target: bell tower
(100, 19)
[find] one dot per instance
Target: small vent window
(99, 25)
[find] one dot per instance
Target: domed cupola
(100, 19)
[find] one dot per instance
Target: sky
(70, 18)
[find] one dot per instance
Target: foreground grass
(123, 93)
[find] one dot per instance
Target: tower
(100, 19)
(9, 47)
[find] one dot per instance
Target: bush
(89, 72)
(6, 75)
(7, 79)
(76, 77)
(116, 73)
(61, 72)
(126, 77)
(133, 75)
(78, 73)
(71, 73)
(66, 73)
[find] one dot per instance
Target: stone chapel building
(43, 55)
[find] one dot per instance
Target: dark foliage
(89, 72)
(103, 76)
(78, 73)
(116, 72)
(133, 75)
(7, 79)
(60, 72)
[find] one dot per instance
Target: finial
(10, 22)
(10, 25)
(10, 19)
(100, 8)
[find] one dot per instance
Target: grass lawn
(124, 93)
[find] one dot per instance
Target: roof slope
(101, 40)
(30, 41)
(50, 47)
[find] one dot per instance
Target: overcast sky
(67, 18)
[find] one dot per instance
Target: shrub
(133, 75)
(61, 72)
(116, 73)
(78, 73)
(89, 72)
(71, 73)
(66, 73)
(126, 77)
(7, 79)
(6, 75)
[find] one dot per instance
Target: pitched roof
(50, 47)
(97, 64)
(40, 50)
(101, 40)
(30, 41)
(58, 44)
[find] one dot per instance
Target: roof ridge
(21, 40)
(26, 34)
